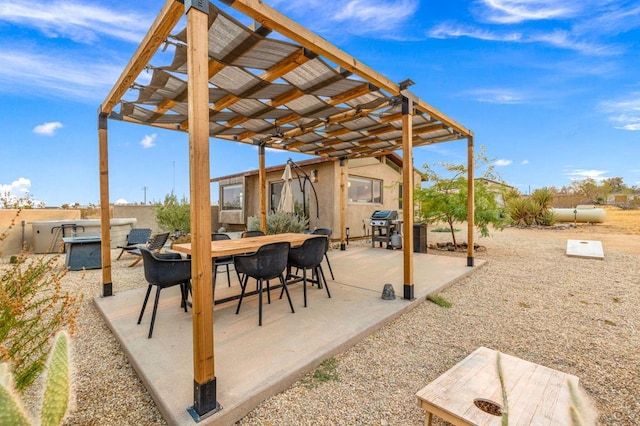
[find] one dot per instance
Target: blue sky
(549, 87)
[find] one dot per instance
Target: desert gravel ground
(530, 300)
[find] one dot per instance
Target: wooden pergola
(275, 85)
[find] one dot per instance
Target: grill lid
(385, 214)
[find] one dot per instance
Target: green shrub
(279, 223)
(174, 215)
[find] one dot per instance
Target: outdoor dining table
(222, 248)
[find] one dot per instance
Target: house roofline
(395, 158)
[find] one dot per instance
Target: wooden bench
(536, 395)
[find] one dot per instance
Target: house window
(364, 190)
(231, 197)
(400, 195)
(301, 198)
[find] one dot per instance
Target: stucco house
(373, 183)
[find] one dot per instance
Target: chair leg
(244, 286)
(228, 276)
(260, 302)
(329, 264)
(155, 309)
(268, 293)
(136, 261)
(144, 304)
(326, 286)
(304, 285)
(120, 255)
(284, 287)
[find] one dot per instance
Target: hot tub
(47, 235)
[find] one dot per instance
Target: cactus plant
(56, 394)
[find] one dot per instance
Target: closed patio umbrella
(286, 196)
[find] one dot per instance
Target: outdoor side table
(536, 395)
(83, 252)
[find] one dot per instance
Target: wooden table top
(536, 395)
(247, 245)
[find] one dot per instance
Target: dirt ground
(620, 231)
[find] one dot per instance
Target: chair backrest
(247, 234)
(157, 241)
(138, 236)
(165, 271)
(324, 231)
(267, 263)
(310, 253)
(219, 237)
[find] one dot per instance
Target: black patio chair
(154, 244)
(268, 263)
(248, 234)
(222, 261)
(327, 232)
(136, 237)
(164, 270)
(309, 256)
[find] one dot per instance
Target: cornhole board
(587, 249)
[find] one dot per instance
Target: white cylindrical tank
(580, 215)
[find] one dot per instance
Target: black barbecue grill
(386, 223)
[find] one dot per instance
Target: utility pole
(144, 189)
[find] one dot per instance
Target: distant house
(374, 183)
(499, 189)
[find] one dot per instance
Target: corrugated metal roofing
(265, 90)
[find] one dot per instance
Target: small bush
(174, 215)
(279, 223)
(324, 373)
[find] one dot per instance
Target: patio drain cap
(388, 293)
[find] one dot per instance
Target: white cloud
(450, 29)
(524, 162)
(47, 129)
(121, 201)
(581, 174)
(624, 112)
(149, 141)
(502, 162)
(57, 74)
(77, 21)
(559, 39)
(18, 187)
(515, 11)
(497, 96)
(383, 18)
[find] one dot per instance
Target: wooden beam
(200, 197)
(470, 201)
(407, 196)
(343, 204)
(262, 180)
(165, 22)
(105, 218)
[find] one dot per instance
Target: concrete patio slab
(253, 363)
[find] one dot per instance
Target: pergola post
(204, 383)
(343, 203)
(262, 179)
(407, 196)
(105, 218)
(470, 202)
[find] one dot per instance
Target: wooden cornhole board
(588, 249)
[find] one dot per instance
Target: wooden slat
(235, 246)
(165, 22)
